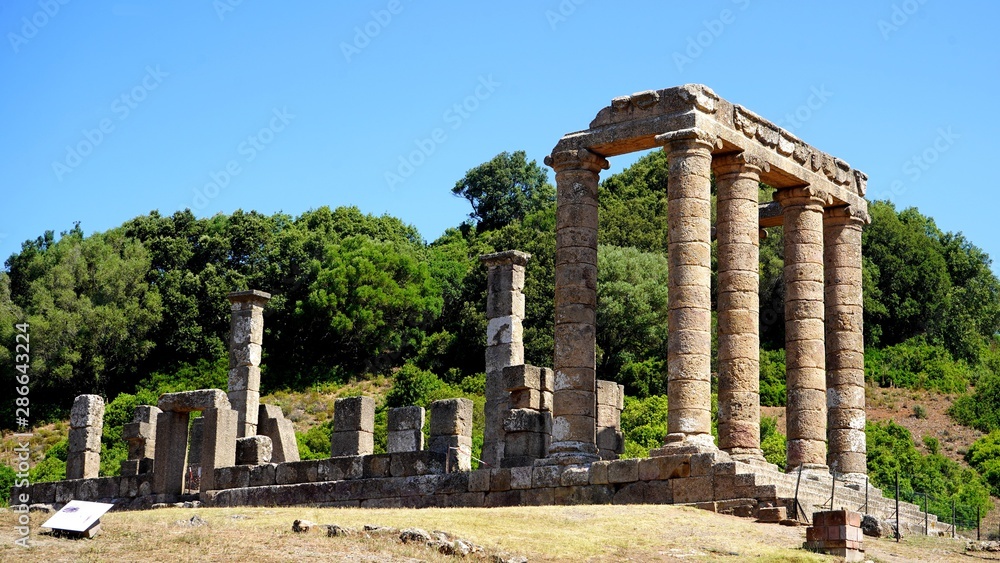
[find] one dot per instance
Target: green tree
(505, 189)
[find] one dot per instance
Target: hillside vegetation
(141, 309)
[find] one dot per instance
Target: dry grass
(563, 534)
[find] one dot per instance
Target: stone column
(504, 341)
(610, 403)
(141, 437)
(737, 177)
(246, 337)
(405, 430)
(86, 426)
(171, 452)
(689, 252)
(218, 444)
(845, 352)
(574, 404)
(805, 354)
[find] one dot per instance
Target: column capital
(507, 257)
(688, 138)
(577, 159)
(252, 296)
(846, 215)
(802, 195)
(740, 163)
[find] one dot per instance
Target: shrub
(919, 411)
(644, 424)
(772, 441)
(772, 378)
(7, 478)
(915, 364)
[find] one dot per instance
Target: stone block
(88, 410)
(233, 477)
(189, 401)
(546, 476)
(632, 493)
(538, 497)
(354, 414)
(575, 476)
(409, 464)
(520, 477)
(772, 514)
(607, 393)
(340, 468)
(659, 492)
(479, 481)
(147, 414)
(623, 471)
(451, 417)
(244, 377)
(522, 376)
(263, 475)
(405, 441)
(527, 420)
(83, 465)
(247, 404)
(526, 399)
(664, 467)
(611, 439)
(376, 465)
(406, 418)
(87, 439)
(457, 448)
(129, 467)
(693, 489)
(218, 444)
(139, 430)
(500, 479)
(523, 445)
(599, 473)
(146, 465)
(351, 443)
(253, 450)
(171, 452)
(281, 431)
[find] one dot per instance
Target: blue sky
(113, 109)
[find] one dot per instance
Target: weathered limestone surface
(738, 178)
(353, 427)
(246, 338)
(504, 341)
(171, 451)
(218, 446)
(689, 252)
(190, 401)
(141, 437)
(253, 450)
(405, 429)
(83, 460)
(845, 368)
(527, 423)
(805, 353)
(271, 422)
(610, 403)
(574, 436)
(451, 432)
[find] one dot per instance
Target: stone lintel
(632, 123)
(189, 401)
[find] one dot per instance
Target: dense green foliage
(981, 408)
(984, 457)
(772, 441)
(891, 451)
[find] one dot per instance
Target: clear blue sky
(313, 103)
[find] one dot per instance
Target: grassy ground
(563, 534)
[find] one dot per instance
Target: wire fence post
(897, 507)
(978, 522)
(926, 533)
(954, 523)
(866, 495)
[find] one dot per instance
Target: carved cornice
(677, 139)
(576, 159)
(847, 214)
(741, 162)
(802, 195)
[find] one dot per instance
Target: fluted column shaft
(574, 400)
(737, 178)
(689, 253)
(805, 354)
(845, 354)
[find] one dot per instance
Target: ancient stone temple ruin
(552, 434)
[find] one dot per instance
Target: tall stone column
(737, 177)
(574, 400)
(805, 353)
(689, 252)
(845, 352)
(504, 341)
(246, 337)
